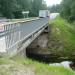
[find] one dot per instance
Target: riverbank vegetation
(62, 37)
(21, 66)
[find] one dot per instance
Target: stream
(51, 59)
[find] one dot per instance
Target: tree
(44, 5)
(36, 6)
(68, 9)
(7, 7)
(54, 8)
(24, 4)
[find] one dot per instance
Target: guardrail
(9, 26)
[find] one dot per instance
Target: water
(65, 64)
(52, 59)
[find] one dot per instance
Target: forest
(12, 8)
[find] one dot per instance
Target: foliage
(64, 32)
(8, 8)
(68, 10)
(36, 6)
(21, 64)
(54, 8)
(43, 69)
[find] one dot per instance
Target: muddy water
(46, 57)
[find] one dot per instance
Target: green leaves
(54, 8)
(8, 7)
(36, 6)
(68, 10)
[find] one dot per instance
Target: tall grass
(42, 68)
(64, 32)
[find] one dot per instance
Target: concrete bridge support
(40, 44)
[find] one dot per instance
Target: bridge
(15, 36)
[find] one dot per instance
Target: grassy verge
(62, 36)
(18, 64)
(44, 69)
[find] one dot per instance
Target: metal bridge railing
(12, 33)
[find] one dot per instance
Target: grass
(42, 68)
(63, 32)
(21, 63)
(4, 61)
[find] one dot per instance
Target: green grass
(43, 69)
(64, 32)
(37, 67)
(4, 61)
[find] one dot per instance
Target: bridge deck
(13, 33)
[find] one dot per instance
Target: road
(32, 26)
